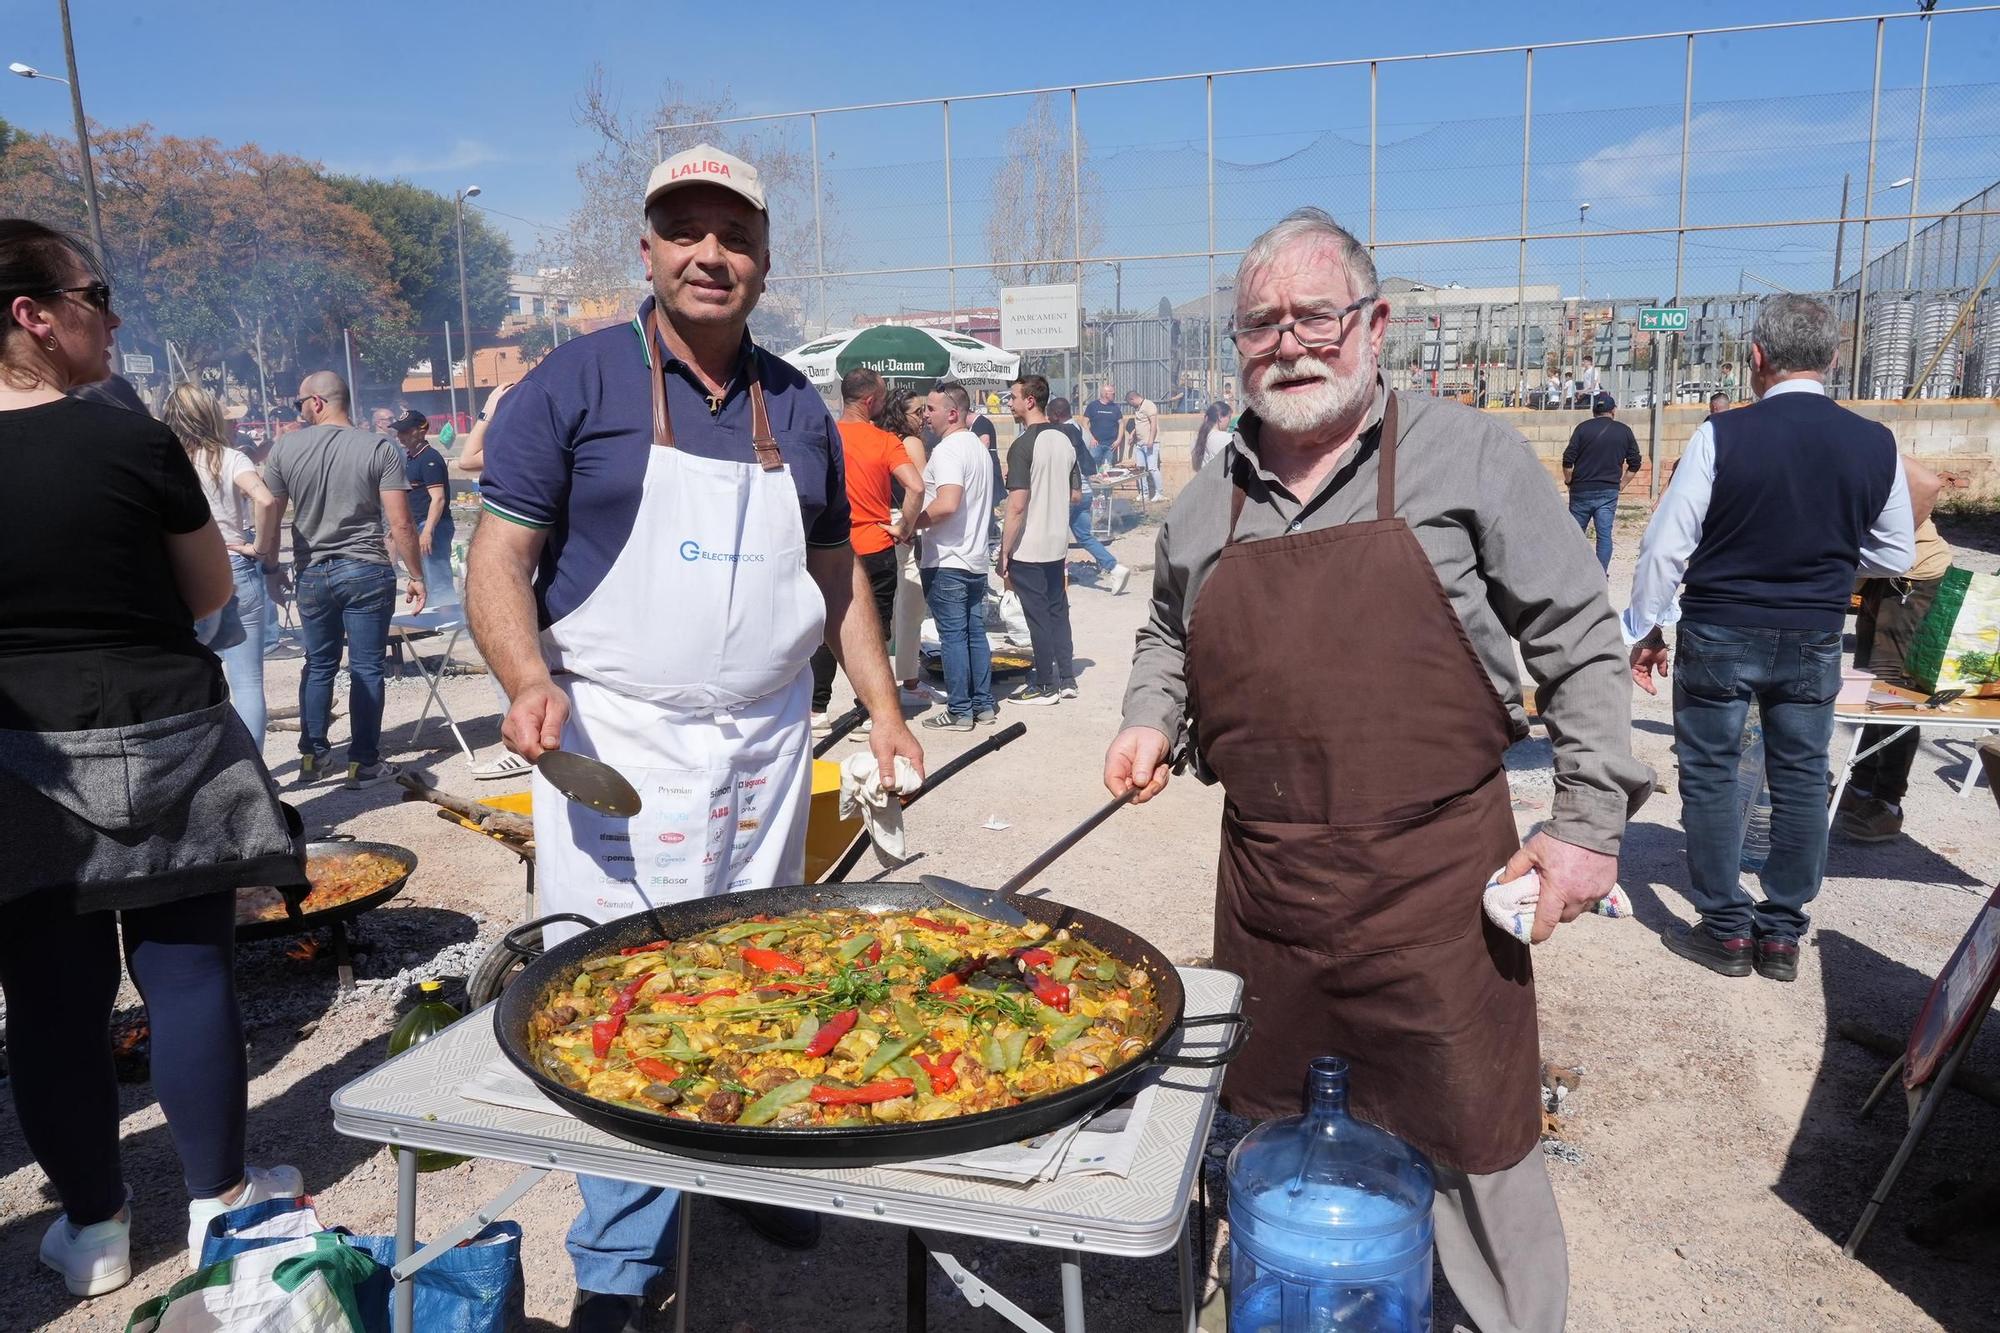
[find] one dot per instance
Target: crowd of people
(681, 548)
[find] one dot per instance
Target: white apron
(687, 670)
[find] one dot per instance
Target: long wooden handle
(1064, 843)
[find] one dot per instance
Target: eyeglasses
(97, 294)
(299, 404)
(1315, 331)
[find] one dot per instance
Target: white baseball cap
(705, 164)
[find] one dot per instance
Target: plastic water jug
(1329, 1222)
(430, 1017)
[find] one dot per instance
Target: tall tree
(420, 228)
(598, 251)
(216, 248)
(1031, 227)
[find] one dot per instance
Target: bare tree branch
(1031, 229)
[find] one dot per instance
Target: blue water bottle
(1329, 1222)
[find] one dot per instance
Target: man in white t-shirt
(1042, 483)
(958, 497)
(1145, 427)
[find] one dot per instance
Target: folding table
(1891, 706)
(405, 631)
(412, 1102)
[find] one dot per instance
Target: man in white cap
(666, 543)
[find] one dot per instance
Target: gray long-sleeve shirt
(1507, 554)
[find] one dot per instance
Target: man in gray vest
(1769, 512)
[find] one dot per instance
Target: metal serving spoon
(590, 782)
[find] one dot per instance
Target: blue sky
(447, 94)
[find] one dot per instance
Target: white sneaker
(1067, 691)
(94, 1259)
(917, 698)
(821, 724)
(1121, 578)
(264, 1183)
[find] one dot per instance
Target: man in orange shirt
(875, 459)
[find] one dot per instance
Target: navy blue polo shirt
(567, 450)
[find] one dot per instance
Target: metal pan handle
(1215, 1059)
(843, 724)
(520, 948)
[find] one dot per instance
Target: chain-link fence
(1598, 178)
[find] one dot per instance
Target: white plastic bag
(308, 1285)
(1011, 621)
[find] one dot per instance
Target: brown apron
(1359, 740)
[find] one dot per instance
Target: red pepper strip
(1035, 957)
(697, 999)
(1049, 991)
(945, 984)
(886, 1091)
(875, 952)
(658, 1070)
(629, 996)
(831, 1032)
(770, 960)
(943, 1077)
(605, 1030)
(654, 947)
(947, 927)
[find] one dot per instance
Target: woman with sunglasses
(132, 800)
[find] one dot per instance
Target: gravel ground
(1709, 1161)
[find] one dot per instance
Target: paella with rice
(844, 1017)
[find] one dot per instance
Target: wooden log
(488, 820)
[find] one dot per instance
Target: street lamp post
(1582, 211)
(82, 132)
(464, 302)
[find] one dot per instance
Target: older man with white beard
(1335, 614)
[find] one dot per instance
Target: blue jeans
(1101, 450)
(439, 590)
(350, 601)
(1792, 676)
(1600, 506)
(1148, 458)
(958, 604)
(243, 665)
(1079, 528)
(624, 1238)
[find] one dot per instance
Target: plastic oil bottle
(1329, 1222)
(430, 1016)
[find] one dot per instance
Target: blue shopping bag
(475, 1287)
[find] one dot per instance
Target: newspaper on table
(1104, 1143)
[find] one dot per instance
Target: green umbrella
(905, 354)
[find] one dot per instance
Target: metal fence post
(1076, 221)
(950, 230)
(819, 229)
(1917, 165)
(1867, 212)
(1374, 79)
(1521, 274)
(1212, 383)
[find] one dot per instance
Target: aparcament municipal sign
(1039, 319)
